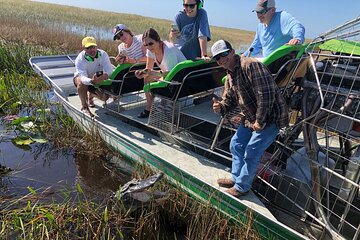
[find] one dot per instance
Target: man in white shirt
(92, 67)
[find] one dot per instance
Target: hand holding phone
(99, 73)
(174, 28)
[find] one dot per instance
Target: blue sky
(317, 16)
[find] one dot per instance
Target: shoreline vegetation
(31, 28)
(63, 27)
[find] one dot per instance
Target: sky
(318, 16)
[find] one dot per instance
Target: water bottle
(352, 173)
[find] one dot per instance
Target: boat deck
(189, 162)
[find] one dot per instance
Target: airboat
(307, 185)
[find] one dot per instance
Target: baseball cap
(119, 28)
(264, 5)
(88, 42)
(220, 47)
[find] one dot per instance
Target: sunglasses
(149, 44)
(189, 5)
(224, 54)
(119, 35)
(264, 11)
(91, 47)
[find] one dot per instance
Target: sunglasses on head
(91, 47)
(189, 5)
(224, 54)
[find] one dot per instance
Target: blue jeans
(247, 147)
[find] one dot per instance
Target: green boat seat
(342, 67)
(188, 78)
(282, 62)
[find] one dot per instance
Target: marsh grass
(192, 218)
(63, 27)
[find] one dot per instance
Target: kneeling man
(92, 66)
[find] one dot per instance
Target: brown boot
(232, 191)
(225, 182)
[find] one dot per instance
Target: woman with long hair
(164, 54)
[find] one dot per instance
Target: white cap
(220, 47)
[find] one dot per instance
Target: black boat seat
(123, 80)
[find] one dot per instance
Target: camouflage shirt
(252, 87)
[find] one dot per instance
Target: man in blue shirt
(274, 30)
(192, 30)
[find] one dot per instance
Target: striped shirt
(252, 87)
(135, 50)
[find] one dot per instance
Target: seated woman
(165, 55)
(131, 49)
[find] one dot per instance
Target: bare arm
(203, 45)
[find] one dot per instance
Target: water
(43, 166)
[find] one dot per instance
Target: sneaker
(86, 111)
(234, 192)
(225, 182)
(144, 114)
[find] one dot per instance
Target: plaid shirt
(252, 87)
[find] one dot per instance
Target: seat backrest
(129, 82)
(193, 77)
(281, 55)
(339, 64)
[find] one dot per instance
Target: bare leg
(149, 97)
(82, 91)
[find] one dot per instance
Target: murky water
(43, 166)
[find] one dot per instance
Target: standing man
(250, 86)
(274, 30)
(92, 66)
(193, 31)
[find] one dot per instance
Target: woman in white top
(131, 49)
(164, 54)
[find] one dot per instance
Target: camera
(99, 73)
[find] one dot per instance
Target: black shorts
(91, 88)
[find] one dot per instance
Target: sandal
(91, 103)
(86, 111)
(144, 114)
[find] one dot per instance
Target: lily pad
(20, 120)
(21, 140)
(40, 140)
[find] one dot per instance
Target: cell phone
(174, 28)
(99, 73)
